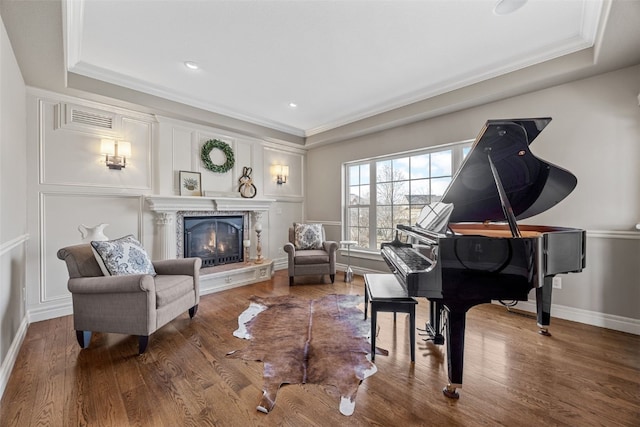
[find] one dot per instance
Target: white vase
(92, 233)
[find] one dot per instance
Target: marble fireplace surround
(168, 208)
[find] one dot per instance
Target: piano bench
(385, 294)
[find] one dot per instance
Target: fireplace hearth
(217, 240)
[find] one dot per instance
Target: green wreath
(206, 159)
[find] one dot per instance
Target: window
(392, 190)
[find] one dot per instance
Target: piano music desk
(387, 295)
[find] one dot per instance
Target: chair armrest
(290, 249)
(111, 284)
(179, 266)
(330, 246)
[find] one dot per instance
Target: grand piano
(469, 249)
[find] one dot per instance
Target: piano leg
(455, 324)
(456, 313)
(543, 305)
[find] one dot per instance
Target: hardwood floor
(580, 376)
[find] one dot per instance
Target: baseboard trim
(12, 355)
(50, 311)
(602, 320)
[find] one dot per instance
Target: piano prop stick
(469, 249)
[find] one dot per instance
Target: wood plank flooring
(580, 376)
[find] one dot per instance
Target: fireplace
(216, 240)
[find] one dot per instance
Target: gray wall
(595, 133)
(13, 207)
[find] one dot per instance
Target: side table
(348, 274)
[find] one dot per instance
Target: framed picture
(190, 183)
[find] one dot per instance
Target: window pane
(353, 216)
(383, 171)
(401, 192)
(415, 213)
(401, 215)
(400, 169)
(420, 166)
(420, 187)
(383, 235)
(353, 233)
(363, 237)
(384, 194)
(438, 185)
(364, 174)
(363, 217)
(354, 175)
(384, 217)
(364, 194)
(354, 195)
(441, 163)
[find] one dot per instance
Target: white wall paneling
(186, 140)
(70, 155)
(294, 187)
(213, 181)
(60, 216)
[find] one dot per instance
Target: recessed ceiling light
(191, 65)
(505, 7)
(293, 105)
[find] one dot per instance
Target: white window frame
(458, 151)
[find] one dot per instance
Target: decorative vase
(92, 233)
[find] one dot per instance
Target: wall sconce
(115, 153)
(280, 173)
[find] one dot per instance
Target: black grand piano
(468, 249)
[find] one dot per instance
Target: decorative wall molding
(186, 203)
(55, 151)
(609, 234)
(13, 243)
(45, 196)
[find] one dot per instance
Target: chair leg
(193, 310)
(83, 337)
(333, 277)
(290, 280)
(143, 340)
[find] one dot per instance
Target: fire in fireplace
(216, 240)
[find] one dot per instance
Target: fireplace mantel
(221, 204)
(166, 210)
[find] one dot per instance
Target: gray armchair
(311, 261)
(136, 304)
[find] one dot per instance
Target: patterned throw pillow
(122, 256)
(308, 236)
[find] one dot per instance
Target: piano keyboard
(407, 258)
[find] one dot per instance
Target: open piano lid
(531, 185)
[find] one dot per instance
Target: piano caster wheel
(544, 331)
(450, 392)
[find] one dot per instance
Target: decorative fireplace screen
(216, 240)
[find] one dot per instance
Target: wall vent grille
(91, 119)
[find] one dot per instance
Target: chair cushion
(308, 236)
(122, 256)
(311, 256)
(170, 288)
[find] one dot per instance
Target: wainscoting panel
(61, 214)
(295, 183)
(71, 155)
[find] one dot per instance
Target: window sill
(362, 254)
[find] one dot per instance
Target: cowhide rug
(302, 341)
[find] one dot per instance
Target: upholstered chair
(310, 256)
(134, 304)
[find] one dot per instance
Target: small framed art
(190, 183)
